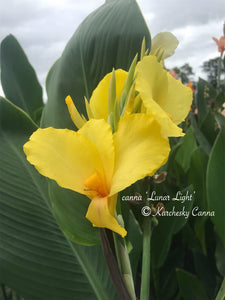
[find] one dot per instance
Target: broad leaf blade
(206, 272)
(184, 153)
(202, 140)
(36, 260)
(70, 209)
(168, 226)
(215, 179)
(190, 286)
(208, 127)
(18, 78)
(108, 38)
(219, 256)
(197, 177)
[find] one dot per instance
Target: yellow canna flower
(98, 106)
(151, 90)
(109, 100)
(99, 98)
(97, 163)
(164, 45)
(163, 97)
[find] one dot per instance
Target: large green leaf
(36, 259)
(202, 140)
(109, 37)
(70, 209)
(184, 153)
(168, 226)
(206, 272)
(208, 127)
(197, 177)
(167, 283)
(190, 286)
(220, 258)
(216, 178)
(19, 81)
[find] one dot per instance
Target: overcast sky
(43, 27)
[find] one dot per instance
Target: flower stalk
(145, 276)
(124, 261)
(112, 265)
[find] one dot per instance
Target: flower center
(95, 186)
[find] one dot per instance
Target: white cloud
(148, 16)
(179, 13)
(196, 45)
(44, 27)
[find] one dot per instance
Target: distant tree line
(210, 68)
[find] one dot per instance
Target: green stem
(145, 276)
(124, 261)
(221, 293)
(117, 279)
(117, 250)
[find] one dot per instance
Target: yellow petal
(150, 69)
(140, 150)
(164, 42)
(168, 127)
(99, 98)
(77, 119)
(63, 155)
(100, 215)
(179, 99)
(99, 133)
